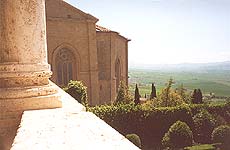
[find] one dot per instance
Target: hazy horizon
(224, 65)
(181, 63)
(167, 31)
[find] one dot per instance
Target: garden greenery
(135, 139)
(221, 134)
(151, 123)
(179, 135)
(123, 95)
(169, 97)
(78, 91)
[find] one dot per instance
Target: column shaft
(24, 71)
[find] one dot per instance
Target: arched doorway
(117, 73)
(65, 63)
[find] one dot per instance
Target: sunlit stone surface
(67, 128)
(24, 71)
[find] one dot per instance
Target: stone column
(24, 71)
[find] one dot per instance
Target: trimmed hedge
(204, 123)
(216, 109)
(221, 134)
(151, 123)
(202, 147)
(179, 135)
(135, 139)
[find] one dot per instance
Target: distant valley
(209, 77)
(216, 66)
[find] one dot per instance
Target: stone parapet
(67, 128)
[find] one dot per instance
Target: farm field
(217, 82)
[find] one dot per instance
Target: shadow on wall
(2, 146)
(6, 140)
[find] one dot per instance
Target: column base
(13, 101)
(27, 87)
(29, 98)
(23, 87)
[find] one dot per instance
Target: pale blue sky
(167, 31)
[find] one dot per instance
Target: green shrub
(221, 109)
(219, 120)
(216, 109)
(179, 135)
(152, 123)
(204, 124)
(201, 147)
(169, 97)
(78, 91)
(123, 95)
(182, 92)
(135, 139)
(221, 134)
(149, 123)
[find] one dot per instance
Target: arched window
(117, 73)
(65, 65)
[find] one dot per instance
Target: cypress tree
(121, 94)
(153, 92)
(166, 92)
(194, 97)
(199, 96)
(137, 96)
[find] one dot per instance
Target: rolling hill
(209, 77)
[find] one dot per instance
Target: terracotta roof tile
(103, 29)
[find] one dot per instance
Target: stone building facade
(112, 62)
(78, 49)
(34, 112)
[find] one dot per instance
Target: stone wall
(67, 128)
(95, 54)
(112, 48)
(104, 65)
(69, 28)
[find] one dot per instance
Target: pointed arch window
(65, 62)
